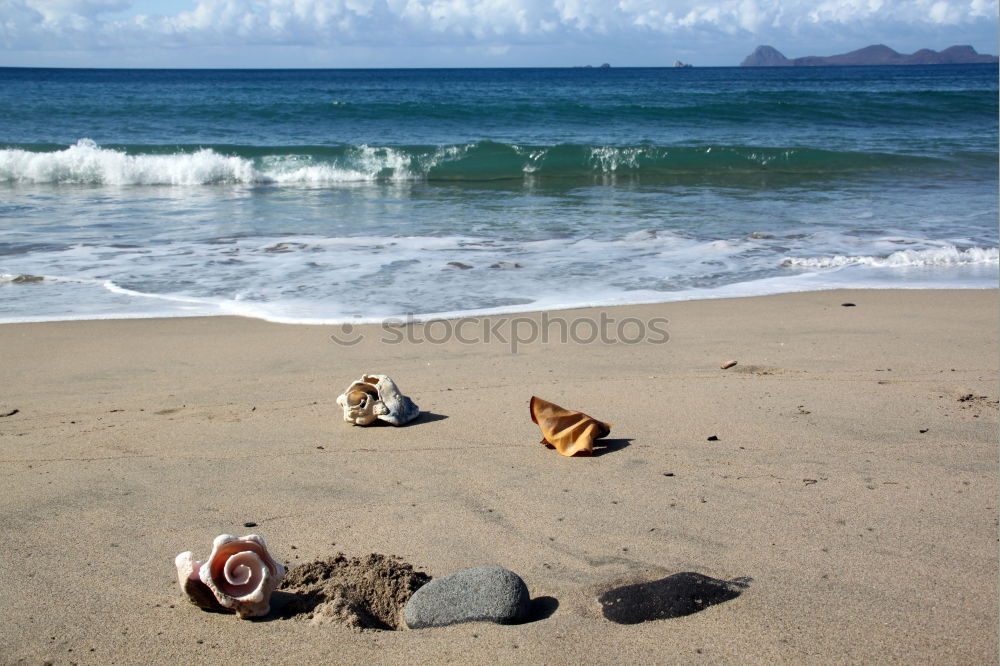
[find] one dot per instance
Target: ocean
(332, 196)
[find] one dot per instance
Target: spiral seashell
(239, 575)
(190, 581)
(359, 403)
(376, 397)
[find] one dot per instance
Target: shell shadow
(676, 595)
(426, 417)
(420, 419)
(284, 605)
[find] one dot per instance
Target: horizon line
(687, 66)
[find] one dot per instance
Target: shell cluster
(239, 576)
(376, 397)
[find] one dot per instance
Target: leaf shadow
(605, 446)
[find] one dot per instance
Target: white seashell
(239, 575)
(376, 397)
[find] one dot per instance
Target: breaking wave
(86, 162)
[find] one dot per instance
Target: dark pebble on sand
(249, 524)
(848, 305)
(713, 438)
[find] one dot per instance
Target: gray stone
(482, 594)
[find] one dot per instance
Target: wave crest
(88, 163)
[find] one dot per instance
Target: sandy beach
(851, 481)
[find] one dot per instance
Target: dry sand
(852, 486)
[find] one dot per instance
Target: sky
(472, 33)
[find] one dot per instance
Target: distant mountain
(766, 56)
(877, 54)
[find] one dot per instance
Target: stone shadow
(540, 608)
(676, 595)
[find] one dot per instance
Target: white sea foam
(306, 278)
(940, 256)
(609, 159)
(88, 163)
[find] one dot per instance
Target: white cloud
(56, 10)
(495, 26)
(942, 12)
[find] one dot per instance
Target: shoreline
(513, 311)
(852, 476)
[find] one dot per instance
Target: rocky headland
(877, 54)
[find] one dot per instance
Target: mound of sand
(359, 592)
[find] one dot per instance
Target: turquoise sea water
(332, 195)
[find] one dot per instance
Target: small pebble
(728, 364)
(713, 438)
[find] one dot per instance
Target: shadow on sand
(676, 595)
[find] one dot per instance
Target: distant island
(877, 54)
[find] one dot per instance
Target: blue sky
(471, 33)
